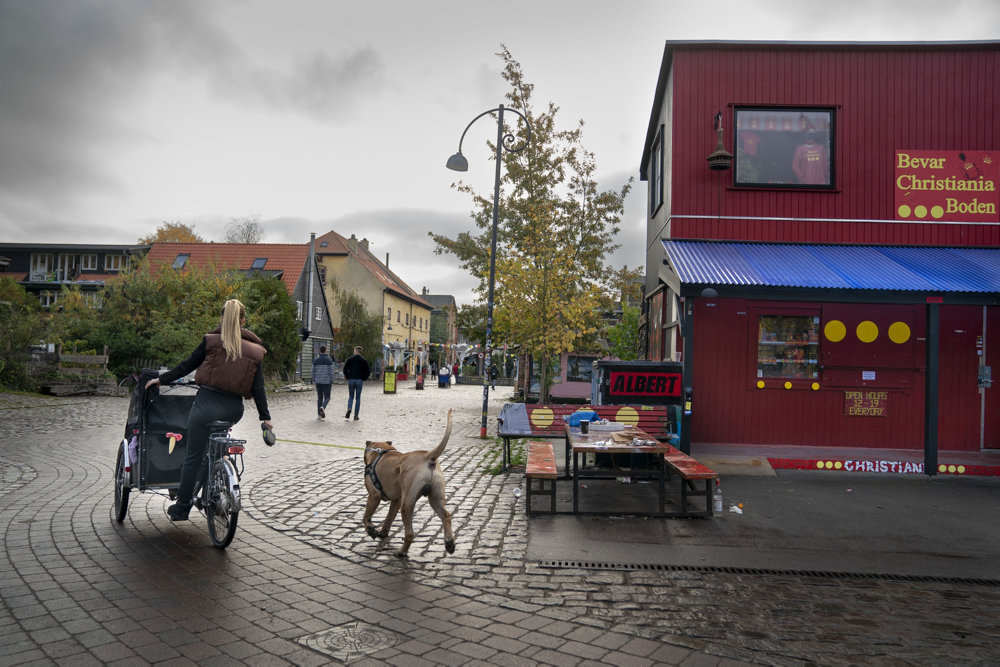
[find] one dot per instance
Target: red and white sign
(956, 186)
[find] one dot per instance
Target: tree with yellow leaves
(555, 231)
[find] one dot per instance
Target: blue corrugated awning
(848, 267)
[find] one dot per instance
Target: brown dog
(401, 478)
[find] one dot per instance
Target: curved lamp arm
(457, 162)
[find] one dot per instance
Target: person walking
(356, 370)
(494, 374)
(322, 374)
(227, 365)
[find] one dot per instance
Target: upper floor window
(782, 147)
(114, 262)
(88, 262)
(259, 263)
(656, 174)
(41, 265)
(181, 261)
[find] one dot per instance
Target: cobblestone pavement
(303, 584)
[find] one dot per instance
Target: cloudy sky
(321, 115)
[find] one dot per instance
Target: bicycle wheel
(122, 486)
(223, 509)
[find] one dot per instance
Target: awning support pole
(931, 390)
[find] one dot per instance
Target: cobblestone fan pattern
(301, 575)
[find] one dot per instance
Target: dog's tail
(439, 450)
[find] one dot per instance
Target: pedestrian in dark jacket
(227, 365)
(356, 370)
(322, 375)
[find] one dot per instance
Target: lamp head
(457, 162)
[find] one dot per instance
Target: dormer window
(181, 261)
(259, 263)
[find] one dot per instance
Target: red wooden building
(830, 274)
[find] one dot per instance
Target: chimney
(387, 260)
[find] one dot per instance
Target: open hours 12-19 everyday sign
(956, 186)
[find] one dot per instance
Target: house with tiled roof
(290, 263)
(44, 268)
(406, 316)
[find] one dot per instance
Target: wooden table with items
(631, 440)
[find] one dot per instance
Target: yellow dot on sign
(542, 417)
(899, 332)
(904, 211)
(838, 465)
(835, 331)
(867, 331)
(961, 470)
(942, 468)
(920, 211)
(951, 468)
(788, 385)
(760, 384)
(627, 415)
(815, 386)
(820, 464)
(937, 212)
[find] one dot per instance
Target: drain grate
(655, 567)
(350, 641)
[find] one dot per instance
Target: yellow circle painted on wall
(788, 385)
(542, 417)
(760, 384)
(937, 212)
(835, 331)
(815, 386)
(920, 211)
(867, 331)
(904, 211)
(899, 332)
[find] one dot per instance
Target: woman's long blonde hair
(233, 314)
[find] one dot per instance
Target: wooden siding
(887, 98)
(729, 408)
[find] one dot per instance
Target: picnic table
(669, 461)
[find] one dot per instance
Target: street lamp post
(457, 162)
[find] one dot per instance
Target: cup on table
(584, 426)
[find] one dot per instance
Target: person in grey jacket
(322, 375)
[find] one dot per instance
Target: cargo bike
(153, 449)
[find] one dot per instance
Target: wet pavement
(829, 577)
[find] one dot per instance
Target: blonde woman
(228, 369)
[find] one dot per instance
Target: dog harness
(372, 475)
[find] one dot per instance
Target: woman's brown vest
(235, 376)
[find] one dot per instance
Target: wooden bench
(691, 471)
(520, 420)
(541, 467)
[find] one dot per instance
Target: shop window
(784, 147)
(579, 369)
(788, 347)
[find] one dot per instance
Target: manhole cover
(351, 640)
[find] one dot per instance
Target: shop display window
(784, 148)
(788, 347)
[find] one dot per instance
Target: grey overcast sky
(321, 115)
